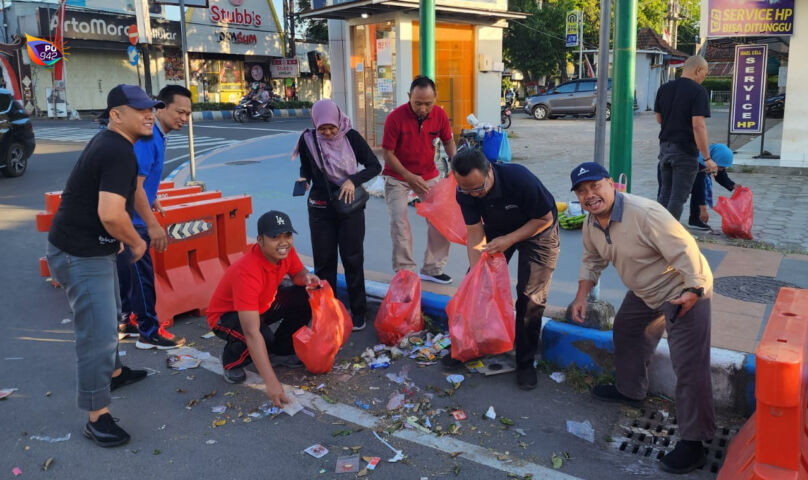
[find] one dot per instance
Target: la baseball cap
(587, 171)
(274, 223)
(129, 95)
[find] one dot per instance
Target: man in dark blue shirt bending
(507, 209)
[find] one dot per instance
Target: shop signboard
(750, 18)
(572, 28)
(748, 89)
(284, 68)
(83, 25)
(242, 27)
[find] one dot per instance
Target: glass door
(373, 62)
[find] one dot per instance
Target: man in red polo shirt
(409, 164)
(248, 299)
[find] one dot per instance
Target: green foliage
(316, 30)
(722, 84)
(292, 104)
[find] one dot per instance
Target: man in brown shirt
(670, 285)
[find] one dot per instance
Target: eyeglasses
(475, 190)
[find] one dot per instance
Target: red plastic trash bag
(440, 207)
(481, 316)
(737, 213)
(400, 312)
(330, 327)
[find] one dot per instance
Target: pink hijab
(338, 159)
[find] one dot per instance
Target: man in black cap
(249, 299)
(507, 209)
(92, 224)
(670, 285)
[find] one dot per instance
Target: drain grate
(242, 162)
(653, 433)
(757, 288)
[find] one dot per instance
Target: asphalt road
(172, 440)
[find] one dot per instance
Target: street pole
(187, 75)
(580, 44)
(427, 38)
(625, 51)
(603, 81)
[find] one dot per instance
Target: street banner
(750, 18)
(572, 28)
(748, 89)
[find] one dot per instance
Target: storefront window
(373, 60)
(454, 69)
(217, 80)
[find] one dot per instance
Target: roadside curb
(564, 344)
(220, 115)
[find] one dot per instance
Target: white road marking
(446, 444)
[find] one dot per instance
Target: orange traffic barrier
(205, 237)
(773, 444)
(173, 192)
(165, 185)
(190, 198)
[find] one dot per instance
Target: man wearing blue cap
(670, 285)
(701, 194)
(92, 224)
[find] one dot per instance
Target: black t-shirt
(678, 101)
(107, 164)
(516, 198)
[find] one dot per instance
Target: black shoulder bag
(342, 208)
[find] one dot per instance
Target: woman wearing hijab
(332, 153)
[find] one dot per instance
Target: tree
(314, 29)
(536, 45)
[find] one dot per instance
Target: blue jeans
(136, 282)
(91, 285)
(678, 167)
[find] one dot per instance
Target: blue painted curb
(220, 115)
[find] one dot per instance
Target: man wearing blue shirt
(137, 279)
(507, 209)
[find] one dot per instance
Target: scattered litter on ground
(362, 405)
(210, 442)
(219, 422)
(309, 412)
(455, 379)
(459, 415)
(219, 409)
(399, 455)
(372, 462)
(121, 353)
(382, 361)
(209, 335)
(557, 461)
(44, 438)
(183, 362)
(506, 421)
(14, 358)
(317, 451)
(582, 430)
(490, 413)
(48, 393)
(558, 377)
(47, 464)
(396, 401)
(349, 464)
(16, 471)
(66, 321)
(520, 431)
(292, 407)
(6, 392)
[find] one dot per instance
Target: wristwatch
(708, 159)
(698, 291)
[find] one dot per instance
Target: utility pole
(580, 44)
(291, 28)
(603, 81)
(625, 54)
(427, 38)
(187, 75)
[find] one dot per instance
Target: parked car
(578, 97)
(16, 136)
(775, 106)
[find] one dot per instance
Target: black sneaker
(104, 432)
(159, 342)
(442, 278)
(288, 361)
(235, 375)
(697, 224)
(686, 457)
(126, 329)
(526, 378)
(358, 322)
(609, 393)
(127, 376)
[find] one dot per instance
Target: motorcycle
(249, 109)
(505, 115)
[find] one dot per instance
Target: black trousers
(291, 308)
(137, 286)
(333, 234)
(538, 256)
